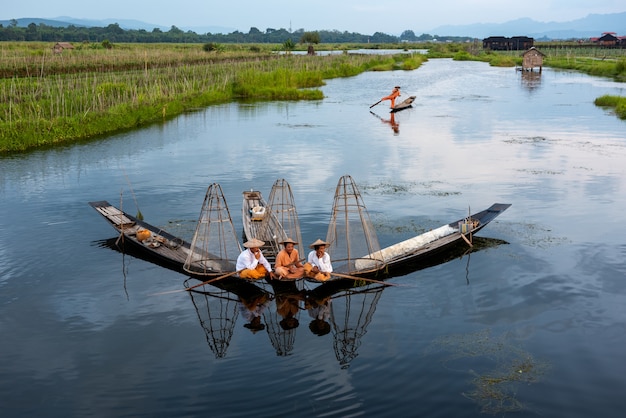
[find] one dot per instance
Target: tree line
(114, 33)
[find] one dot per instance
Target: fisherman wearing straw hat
(251, 264)
(318, 266)
(288, 264)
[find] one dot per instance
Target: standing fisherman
(394, 93)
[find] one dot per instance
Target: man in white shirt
(318, 266)
(251, 263)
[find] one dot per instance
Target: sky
(361, 16)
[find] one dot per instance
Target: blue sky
(362, 16)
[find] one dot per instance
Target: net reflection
(219, 305)
(347, 311)
(283, 317)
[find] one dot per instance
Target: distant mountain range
(592, 25)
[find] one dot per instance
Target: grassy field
(48, 99)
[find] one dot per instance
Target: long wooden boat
(430, 243)
(158, 245)
(405, 104)
(259, 222)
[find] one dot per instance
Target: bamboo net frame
(215, 245)
(354, 246)
(282, 205)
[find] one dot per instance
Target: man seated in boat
(288, 264)
(318, 266)
(251, 263)
(394, 93)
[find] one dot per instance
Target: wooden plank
(115, 215)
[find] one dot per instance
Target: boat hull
(162, 248)
(429, 244)
(407, 103)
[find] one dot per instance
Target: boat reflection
(342, 307)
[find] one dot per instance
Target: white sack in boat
(404, 247)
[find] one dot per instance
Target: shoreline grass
(48, 99)
(137, 87)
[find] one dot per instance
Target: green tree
(310, 38)
(288, 45)
(408, 35)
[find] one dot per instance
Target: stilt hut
(532, 58)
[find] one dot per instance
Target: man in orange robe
(288, 265)
(394, 93)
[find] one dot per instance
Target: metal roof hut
(282, 205)
(532, 58)
(215, 245)
(354, 246)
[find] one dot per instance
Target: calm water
(534, 322)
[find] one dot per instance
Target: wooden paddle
(375, 103)
(187, 289)
(347, 276)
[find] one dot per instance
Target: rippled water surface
(532, 321)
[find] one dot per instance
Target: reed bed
(618, 103)
(93, 93)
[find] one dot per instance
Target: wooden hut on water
(532, 58)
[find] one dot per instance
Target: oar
(187, 289)
(376, 103)
(347, 276)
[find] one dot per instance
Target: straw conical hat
(318, 242)
(254, 243)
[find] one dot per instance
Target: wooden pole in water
(187, 289)
(347, 276)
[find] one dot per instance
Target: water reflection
(283, 317)
(353, 305)
(217, 312)
(395, 126)
(350, 313)
(531, 80)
